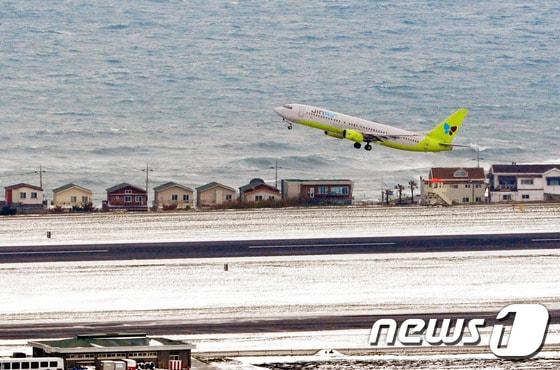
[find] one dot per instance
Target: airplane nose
(278, 111)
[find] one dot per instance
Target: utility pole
(147, 170)
(276, 175)
(40, 172)
(477, 159)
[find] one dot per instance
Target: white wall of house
(552, 178)
(174, 195)
(260, 195)
(27, 196)
(72, 197)
(458, 193)
(525, 195)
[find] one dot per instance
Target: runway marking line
(546, 240)
(320, 245)
(57, 252)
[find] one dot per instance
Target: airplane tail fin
(446, 131)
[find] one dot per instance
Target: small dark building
(91, 349)
(334, 191)
(125, 197)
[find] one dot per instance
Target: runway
(249, 248)
(186, 327)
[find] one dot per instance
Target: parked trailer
(113, 365)
(31, 363)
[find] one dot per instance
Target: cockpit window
(287, 106)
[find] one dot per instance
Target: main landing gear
(368, 146)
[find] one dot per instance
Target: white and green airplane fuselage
(360, 131)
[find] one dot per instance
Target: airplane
(358, 130)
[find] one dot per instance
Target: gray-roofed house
(71, 195)
(214, 194)
(91, 349)
(524, 182)
(173, 196)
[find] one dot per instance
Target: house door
(312, 192)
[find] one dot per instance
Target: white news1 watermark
(523, 339)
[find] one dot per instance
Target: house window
(323, 190)
(467, 186)
(128, 191)
(271, 197)
(506, 197)
(339, 190)
(258, 198)
(85, 199)
(478, 186)
(526, 181)
(174, 197)
(525, 196)
(138, 199)
(455, 186)
(33, 195)
(128, 199)
(478, 199)
(185, 197)
(553, 181)
(73, 199)
(22, 195)
(466, 199)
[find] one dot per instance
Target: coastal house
(94, 349)
(257, 191)
(172, 195)
(524, 182)
(321, 191)
(71, 195)
(214, 194)
(453, 185)
(25, 198)
(125, 197)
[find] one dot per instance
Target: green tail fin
(446, 131)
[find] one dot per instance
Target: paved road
(248, 248)
(287, 324)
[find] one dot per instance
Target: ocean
(94, 90)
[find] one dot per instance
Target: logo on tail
(448, 129)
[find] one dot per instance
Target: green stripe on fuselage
(426, 145)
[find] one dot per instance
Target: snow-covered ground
(261, 287)
(278, 223)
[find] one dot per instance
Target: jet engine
(353, 135)
(334, 134)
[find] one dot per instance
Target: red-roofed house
(257, 191)
(453, 185)
(125, 197)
